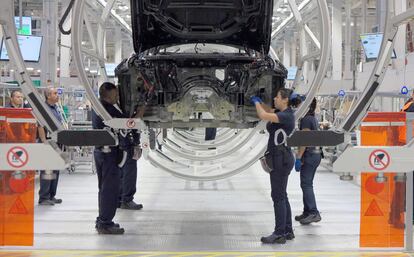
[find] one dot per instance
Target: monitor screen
(29, 46)
(110, 69)
(26, 28)
(292, 72)
(372, 45)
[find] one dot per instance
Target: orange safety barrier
(17, 187)
(382, 203)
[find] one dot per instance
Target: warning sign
(18, 207)
(374, 209)
(130, 123)
(17, 157)
(379, 160)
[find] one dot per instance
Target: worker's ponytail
(312, 108)
(294, 99)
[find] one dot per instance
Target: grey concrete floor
(178, 215)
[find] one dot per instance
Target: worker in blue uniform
(107, 160)
(129, 145)
(48, 186)
(281, 122)
(307, 161)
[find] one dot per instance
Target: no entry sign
(17, 157)
(379, 159)
(130, 123)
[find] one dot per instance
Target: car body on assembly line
(199, 57)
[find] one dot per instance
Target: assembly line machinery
(184, 153)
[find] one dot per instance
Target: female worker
(280, 126)
(307, 161)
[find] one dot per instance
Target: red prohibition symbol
(17, 157)
(379, 159)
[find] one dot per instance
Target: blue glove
(255, 99)
(298, 164)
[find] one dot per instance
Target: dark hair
(294, 99)
(13, 92)
(105, 88)
(312, 107)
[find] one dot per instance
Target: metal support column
(337, 39)
(409, 189)
(400, 38)
(348, 41)
(286, 51)
(49, 47)
(409, 211)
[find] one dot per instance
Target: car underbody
(197, 63)
(172, 90)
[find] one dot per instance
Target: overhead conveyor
(236, 150)
(189, 146)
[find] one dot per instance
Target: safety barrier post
(386, 197)
(17, 187)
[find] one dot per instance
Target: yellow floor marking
(70, 253)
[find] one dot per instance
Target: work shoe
(112, 230)
(273, 238)
(113, 224)
(46, 202)
(289, 236)
(299, 217)
(56, 200)
(131, 206)
(311, 218)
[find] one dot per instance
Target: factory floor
(183, 218)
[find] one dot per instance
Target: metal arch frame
(364, 102)
(281, 27)
(304, 29)
(199, 137)
(40, 110)
(101, 36)
(77, 21)
(325, 46)
(154, 157)
(157, 160)
(223, 154)
(325, 50)
(217, 143)
(220, 132)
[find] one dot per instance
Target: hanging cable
(64, 17)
